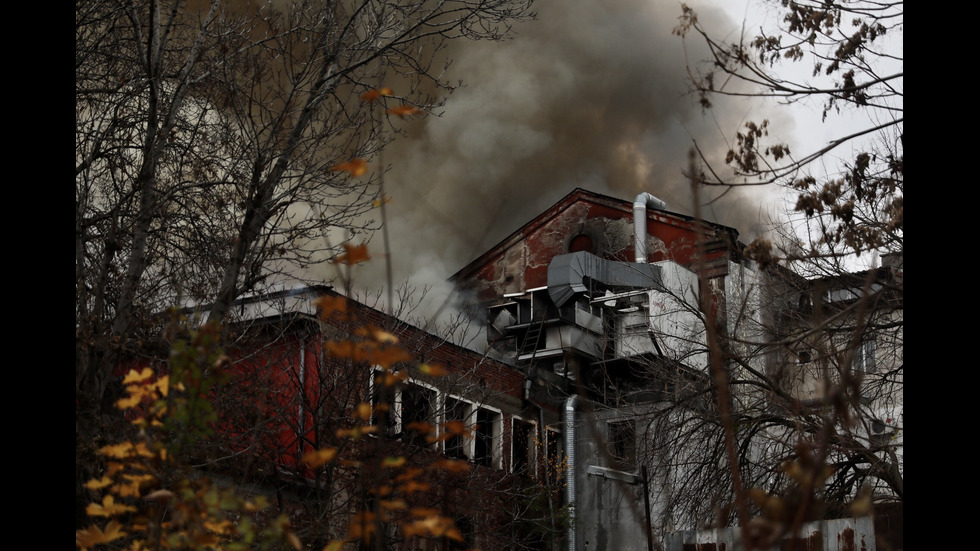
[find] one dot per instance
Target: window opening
(522, 448)
(622, 444)
(456, 410)
(418, 406)
(864, 358)
(486, 431)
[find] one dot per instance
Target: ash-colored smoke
(591, 94)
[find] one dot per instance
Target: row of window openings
(863, 360)
(414, 408)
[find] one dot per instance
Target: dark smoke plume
(591, 94)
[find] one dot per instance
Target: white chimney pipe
(640, 205)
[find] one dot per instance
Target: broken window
(522, 448)
(622, 444)
(383, 400)
(864, 358)
(456, 412)
(486, 433)
(417, 409)
(555, 469)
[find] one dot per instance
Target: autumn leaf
(355, 167)
(394, 505)
(335, 545)
(135, 377)
(433, 526)
(98, 484)
(378, 202)
(124, 450)
(319, 458)
(383, 336)
(364, 411)
(108, 508)
(412, 486)
(93, 535)
(372, 95)
(404, 110)
(433, 370)
(352, 255)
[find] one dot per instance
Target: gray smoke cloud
(591, 94)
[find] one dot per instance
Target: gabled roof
(579, 195)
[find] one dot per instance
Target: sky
(591, 94)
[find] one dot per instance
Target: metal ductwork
(640, 205)
(567, 275)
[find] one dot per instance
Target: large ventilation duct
(640, 205)
(567, 275)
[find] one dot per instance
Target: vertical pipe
(640, 204)
(570, 403)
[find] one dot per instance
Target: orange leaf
(353, 254)
(372, 95)
(378, 202)
(404, 110)
(356, 167)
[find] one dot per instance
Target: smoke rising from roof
(591, 94)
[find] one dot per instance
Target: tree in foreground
(800, 415)
(219, 144)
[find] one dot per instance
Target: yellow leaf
(108, 508)
(383, 336)
(319, 458)
(125, 450)
(352, 255)
(378, 202)
(93, 535)
(404, 110)
(433, 370)
(355, 167)
(335, 545)
(98, 484)
(433, 526)
(134, 377)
